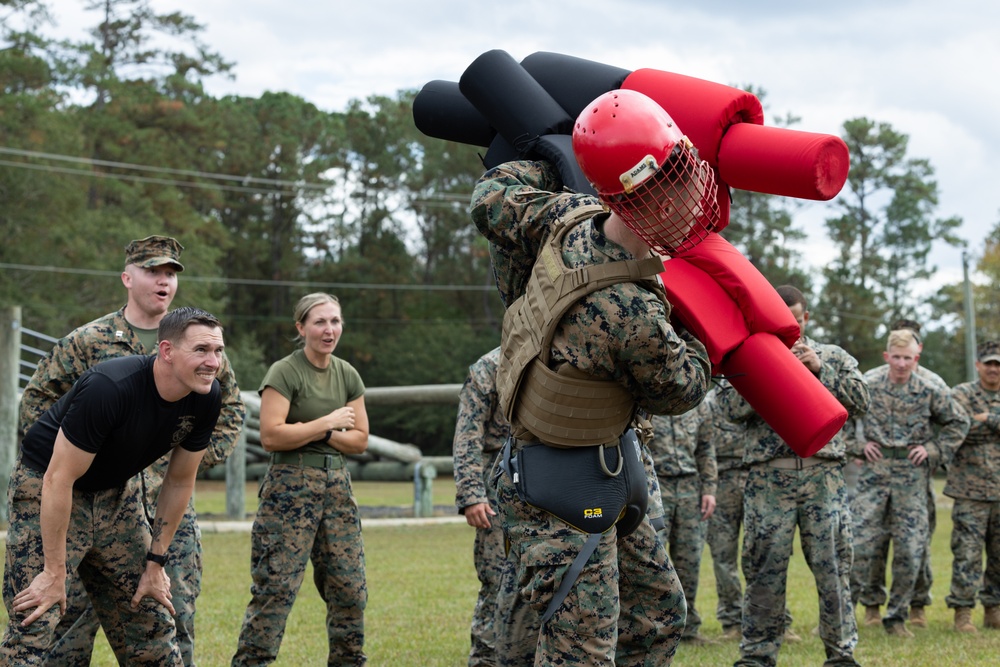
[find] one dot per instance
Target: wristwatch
(160, 560)
(329, 434)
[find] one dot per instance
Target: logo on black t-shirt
(185, 424)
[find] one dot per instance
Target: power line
(265, 283)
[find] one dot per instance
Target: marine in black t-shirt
(115, 412)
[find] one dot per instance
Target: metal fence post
(236, 479)
(10, 360)
(423, 489)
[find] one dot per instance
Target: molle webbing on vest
(566, 407)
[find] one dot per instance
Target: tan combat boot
(791, 637)
(872, 617)
(992, 618)
(918, 618)
(898, 630)
(963, 620)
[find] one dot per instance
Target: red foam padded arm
(785, 393)
(779, 161)
(761, 307)
(703, 307)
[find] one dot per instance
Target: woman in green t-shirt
(312, 412)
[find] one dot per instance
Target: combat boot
(872, 616)
(963, 620)
(992, 618)
(791, 637)
(732, 633)
(918, 618)
(898, 630)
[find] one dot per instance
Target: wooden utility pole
(10, 361)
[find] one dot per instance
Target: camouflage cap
(154, 251)
(989, 351)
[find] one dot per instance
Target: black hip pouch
(590, 488)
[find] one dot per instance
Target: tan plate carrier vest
(564, 408)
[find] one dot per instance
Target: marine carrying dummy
(564, 407)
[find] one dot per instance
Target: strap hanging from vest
(572, 574)
(562, 407)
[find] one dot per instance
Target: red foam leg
(785, 393)
(785, 162)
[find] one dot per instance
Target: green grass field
(422, 587)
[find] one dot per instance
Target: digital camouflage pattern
(106, 526)
(723, 532)
(814, 499)
(974, 483)
(154, 251)
(305, 513)
(684, 460)
(875, 592)
(480, 431)
(628, 588)
(618, 333)
(110, 337)
(891, 498)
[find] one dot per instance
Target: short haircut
(175, 323)
(903, 323)
(791, 296)
(901, 338)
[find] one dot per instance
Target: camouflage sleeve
(512, 202)
(227, 428)
(954, 423)
(841, 376)
(966, 396)
(708, 470)
(668, 370)
(476, 403)
(732, 406)
(55, 374)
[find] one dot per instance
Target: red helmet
(645, 170)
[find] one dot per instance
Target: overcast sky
(927, 68)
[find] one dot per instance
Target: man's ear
(165, 350)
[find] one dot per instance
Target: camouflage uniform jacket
(975, 471)
(727, 437)
(619, 333)
(904, 415)
(680, 446)
(839, 373)
(109, 337)
(480, 429)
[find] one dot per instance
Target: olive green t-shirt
(313, 392)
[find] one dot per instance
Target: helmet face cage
(674, 207)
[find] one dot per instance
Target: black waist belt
(895, 452)
(325, 461)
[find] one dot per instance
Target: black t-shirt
(115, 412)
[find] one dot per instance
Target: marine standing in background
(684, 459)
(312, 412)
(783, 491)
(900, 447)
(723, 532)
(974, 483)
(874, 595)
(150, 279)
(480, 431)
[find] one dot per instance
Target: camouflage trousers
(305, 514)
(78, 627)
(976, 525)
(874, 594)
(683, 534)
(489, 558)
(106, 544)
(776, 501)
(626, 608)
(890, 504)
(723, 537)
